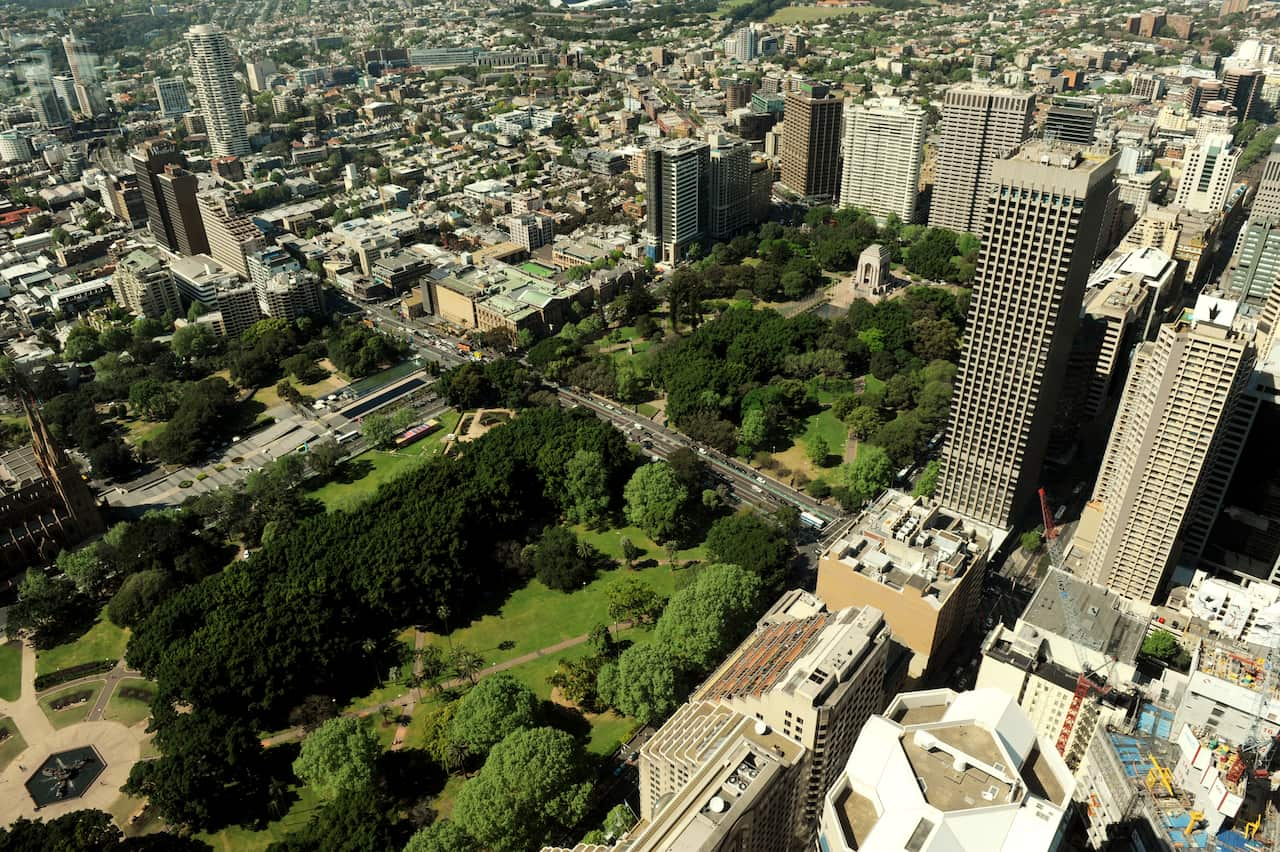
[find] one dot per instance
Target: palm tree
(466, 663)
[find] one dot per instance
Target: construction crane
(1085, 685)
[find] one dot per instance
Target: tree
(441, 836)
(818, 450)
(867, 475)
(618, 822)
(751, 542)
(1030, 540)
(630, 551)
(494, 708)
(587, 487)
(50, 609)
(378, 430)
(654, 499)
(82, 344)
(1163, 645)
(631, 599)
(86, 831)
(138, 595)
(153, 399)
(534, 781)
(708, 617)
(864, 421)
(928, 481)
(338, 756)
(560, 563)
(645, 683)
(86, 568)
(360, 818)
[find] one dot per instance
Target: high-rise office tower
(50, 111)
(811, 141)
(1242, 88)
(83, 63)
(219, 95)
(1071, 120)
(677, 177)
(883, 148)
(259, 74)
(1044, 215)
(728, 187)
(149, 161)
(979, 126)
(178, 195)
(1199, 93)
(171, 92)
(1179, 394)
(1206, 177)
(1252, 273)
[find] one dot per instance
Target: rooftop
(1101, 623)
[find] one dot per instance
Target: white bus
(348, 436)
(811, 520)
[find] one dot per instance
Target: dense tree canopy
(338, 756)
(492, 709)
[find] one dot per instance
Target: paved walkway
(118, 746)
(406, 702)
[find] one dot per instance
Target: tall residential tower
(211, 66)
(883, 147)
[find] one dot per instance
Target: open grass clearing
(808, 14)
(11, 671)
(103, 641)
(241, 839)
(126, 707)
(75, 713)
(12, 745)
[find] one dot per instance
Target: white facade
(946, 771)
(883, 146)
(15, 147)
(211, 68)
(1206, 177)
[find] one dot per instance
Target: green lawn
(872, 383)
(71, 715)
(13, 745)
(240, 839)
(10, 671)
(826, 425)
(382, 466)
(805, 14)
(129, 711)
(535, 617)
(647, 409)
(389, 691)
(103, 641)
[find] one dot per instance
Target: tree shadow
(410, 774)
(352, 470)
(571, 720)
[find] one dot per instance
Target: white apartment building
(211, 68)
(1208, 169)
(883, 146)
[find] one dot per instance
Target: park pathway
(25, 712)
(407, 702)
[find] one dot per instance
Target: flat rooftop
(1103, 627)
(945, 786)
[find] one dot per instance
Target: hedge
(61, 676)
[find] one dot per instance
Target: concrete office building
(291, 294)
(211, 69)
(83, 64)
(811, 141)
(149, 162)
(728, 186)
(1186, 236)
(677, 178)
(64, 86)
(231, 236)
(883, 148)
(1208, 169)
(919, 565)
(142, 285)
(1251, 275)
(1242, 88)
(178, 195)
(1071, 120)
(810, 676)
(942, 771)
(979, 126)
(50, 111)
(1043, 219)
(1266, 201)
(1180, 392)
(15, 147)
(531, 231)
(1125, 301)
(259, 74)
(171, 92)
(1070, 628)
